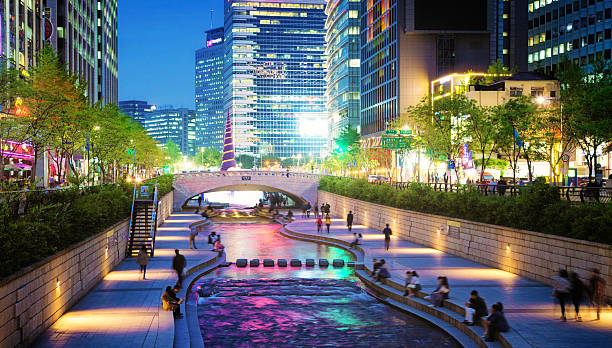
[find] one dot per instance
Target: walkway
(123, 310)
(528, 304)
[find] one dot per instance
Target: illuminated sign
(209, 43)
(20, 110)
(17, 150)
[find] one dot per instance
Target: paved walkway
(528, 304)
(123, 310)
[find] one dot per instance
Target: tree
(347, 140)
(208, 157)
(246, 161)
(586, 97)
(498, 71)
(482, 132)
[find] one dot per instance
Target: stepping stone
(281, 263)
(268, 263)
(254, 263)
(241, 262)
(296, 263)
(323, 263)
(310, 262)
(350, 264)
(338, 263)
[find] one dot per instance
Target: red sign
(48, 29)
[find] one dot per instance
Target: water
(297, 307)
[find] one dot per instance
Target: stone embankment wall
(32, 299)
(533, 255)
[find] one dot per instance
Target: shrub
(538, 208)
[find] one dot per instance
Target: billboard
(452, 15)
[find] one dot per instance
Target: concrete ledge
(451, 313)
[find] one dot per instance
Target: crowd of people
(569, 287)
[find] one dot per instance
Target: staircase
(143, 220)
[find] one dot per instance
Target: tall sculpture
(228, 159)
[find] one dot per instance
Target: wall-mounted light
(507, 247)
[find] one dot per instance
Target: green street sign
(397, 143)
(391, 132)
(405, 132)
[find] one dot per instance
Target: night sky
(157, 41)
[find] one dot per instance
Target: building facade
(580, 30)
(85, 34)
(210, 120)
(406, 44)
(343, 67)
(511, 33)
(274, 76)
(21, 31)
(176, 125)
(138, 110)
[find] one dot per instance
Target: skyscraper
(85, 35)
(177, 125)
(210, 122)
(274, 76)
(406, 44)
(136, 109)
(21, 33)
(580, 30)
(342, 65)
(511, 33)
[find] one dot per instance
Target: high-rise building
(406, 44)
(580, 30)
(85, 34)
(176, 125)
(343, 66)
(21, 31)
(136, 109)
(512, 33)
(274, 76)
(210, 121)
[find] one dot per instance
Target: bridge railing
(251, 173)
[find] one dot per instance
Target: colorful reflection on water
(296, 306)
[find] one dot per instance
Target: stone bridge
(302, 187)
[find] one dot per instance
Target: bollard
(241, 263)
(323, 263)
(268, 263)
(296, 263)
(338, 263)
(281, 263)
(254, 263)
(310, 262)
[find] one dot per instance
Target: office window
(537, 91)
(516, 91)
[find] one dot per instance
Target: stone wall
(165, 207)
(35, 297)
(530, 254)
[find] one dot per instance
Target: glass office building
(210, 120)
(21, 32)
(176, 125)
(274, 76)
(136, 109)
(342, 65)
(582, 30)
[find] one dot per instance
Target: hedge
(538, 208)
(35, 225)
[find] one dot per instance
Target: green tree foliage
(246, 161)
(208, 158)
(482, 131)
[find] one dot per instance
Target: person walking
(327, 208)
(561, 290)
(143, 260)
(178, 265)
(495, 323)
(316, 211)
(597, 285)
(349, 220)
(387, 232)
(199, 201)
(322, 208)
(308, 207)
(319, 224)
(576, 293)
(327, 222)
(475, 309)
(193, 232)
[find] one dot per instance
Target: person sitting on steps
(475, 309)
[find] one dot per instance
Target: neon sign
(209, 43)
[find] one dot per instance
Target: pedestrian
(356, 239)
(327, 208)
(475, 309)
(308, 207)
(193, 232)
(441, 293)
(178, 264)
(383, 271)
(143, 260)
(375, 266)
(319, 224)
(327, 222)
(170, 302)
(413, 284)
(304, 211)
(349, 220)
(199, 201)
(597, 286)
(322, 208)
(561, 290)
(316, 211)
(576, 293)
(495, 323)
(387, 231)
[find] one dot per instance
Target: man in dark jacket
(475, 308)
(178, 264)
(349, 220)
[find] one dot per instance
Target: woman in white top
(414, 286)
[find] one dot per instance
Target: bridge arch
(299, 185)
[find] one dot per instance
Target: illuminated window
(505, 33)
(353, 14)
(385, 21)
(529, 58)
(385, 6)
(561, 48)
(530, 41)
(369, 4)
(555, 50)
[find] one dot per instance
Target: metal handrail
(154, 221)
(131, 244)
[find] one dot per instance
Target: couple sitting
(170, 302)
(476, 310)
(215, 240)
(380, 270)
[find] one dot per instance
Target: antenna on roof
(211, 18)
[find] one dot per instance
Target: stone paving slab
(123, 310)
(529, 306)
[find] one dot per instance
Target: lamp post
(202, 152)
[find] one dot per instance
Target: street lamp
(202, 151)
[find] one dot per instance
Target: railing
(154, 221)
(251, 173)
(131, 234)
(569, 193)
